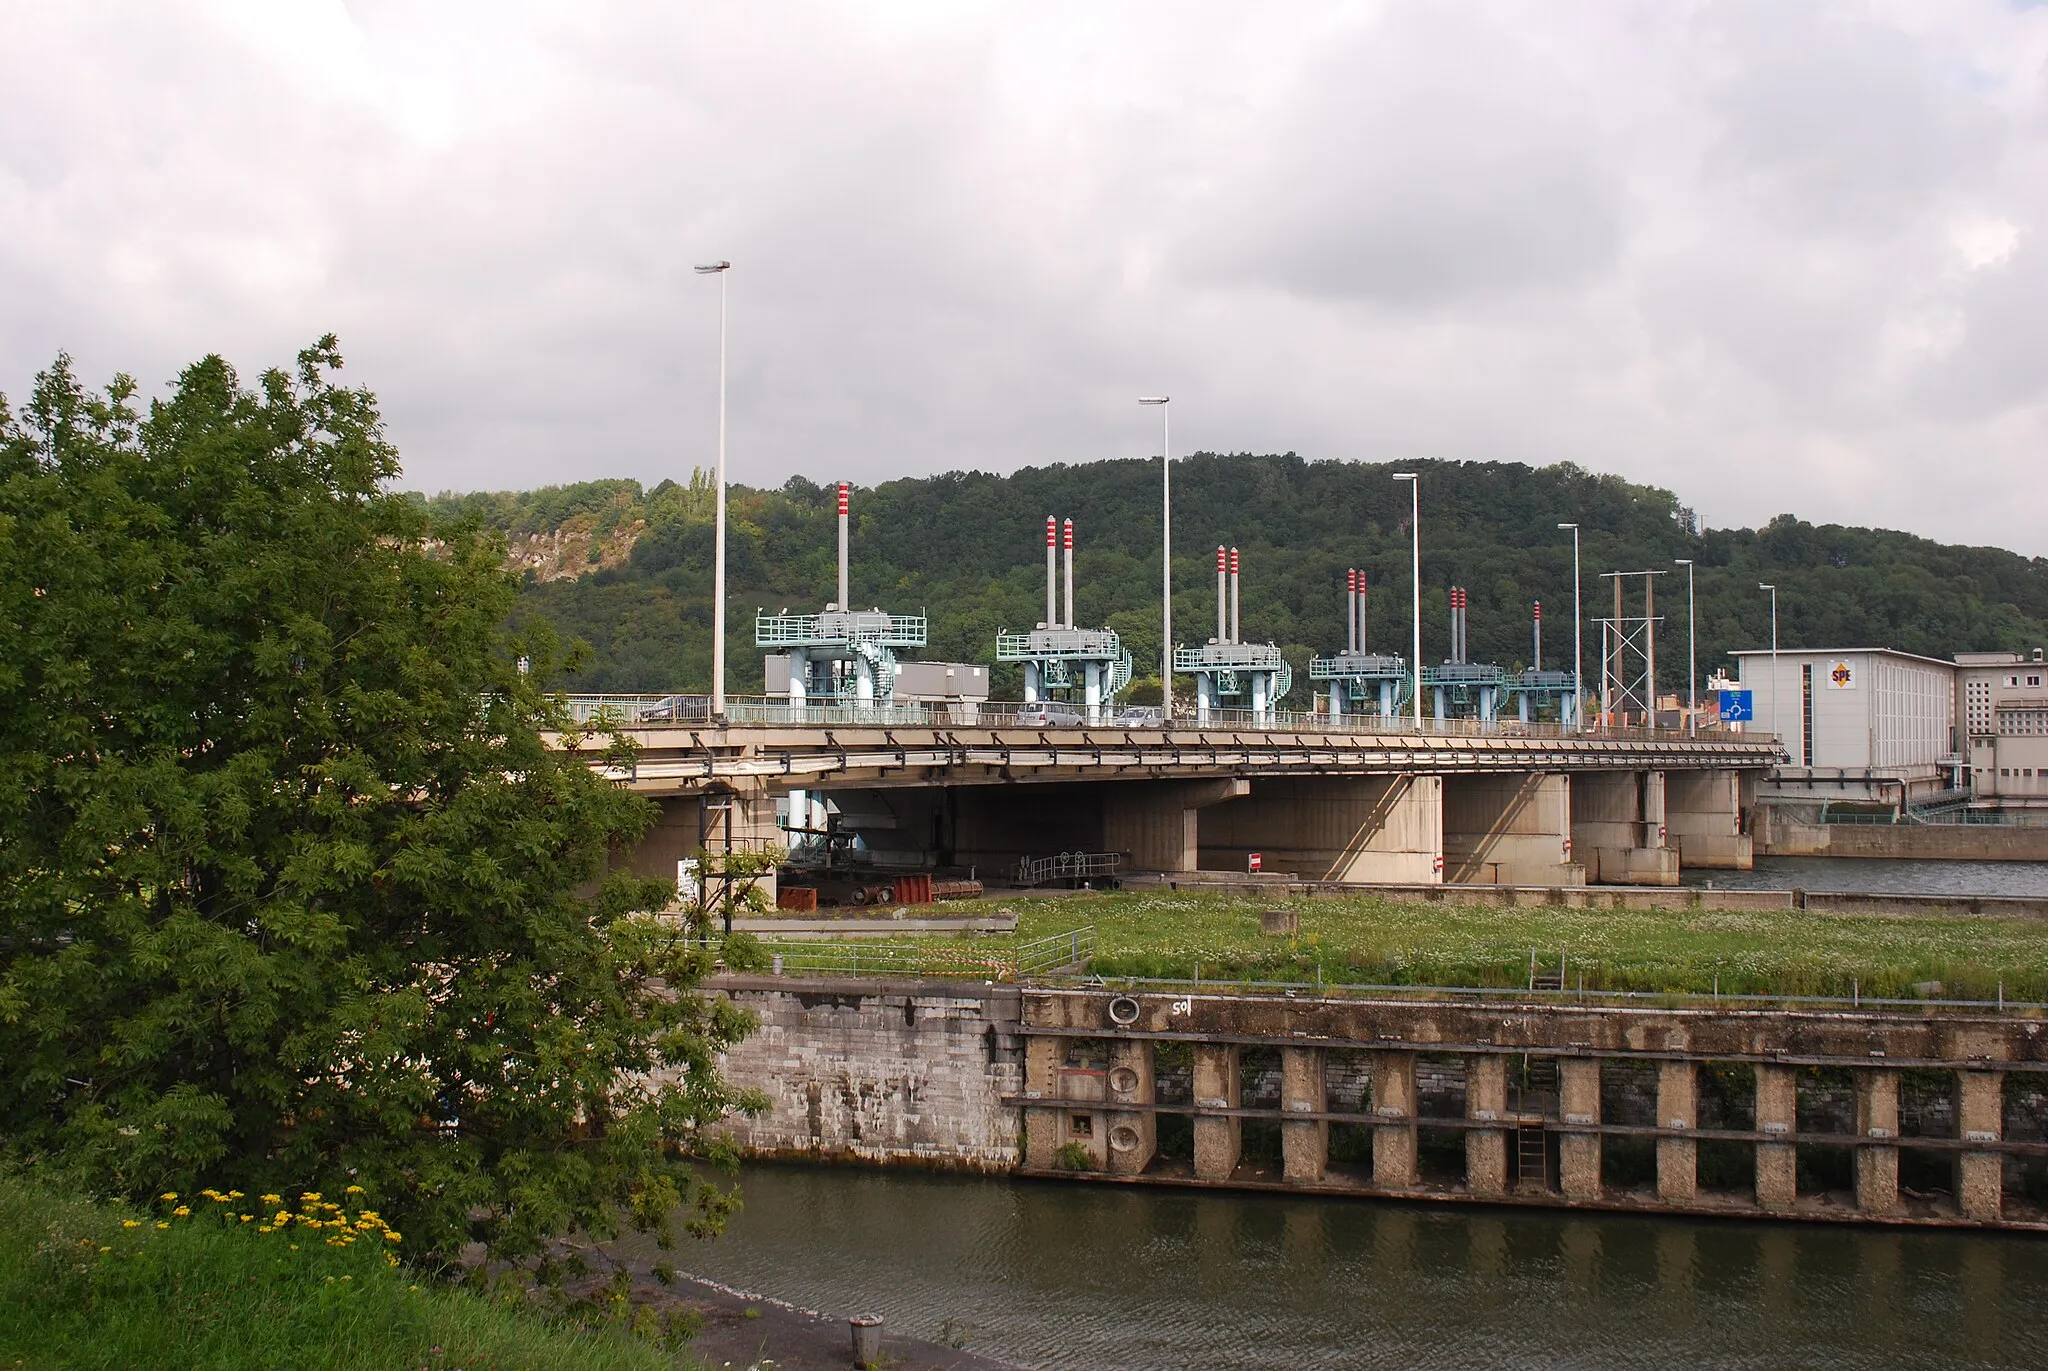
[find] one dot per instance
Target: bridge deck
(680, 758)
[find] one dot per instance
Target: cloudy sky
(1774, 256)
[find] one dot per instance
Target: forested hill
(629, 571)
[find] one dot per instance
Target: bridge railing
(692, 710)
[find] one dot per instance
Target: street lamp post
(1415, 527)
(1578, 638)
(1692, 652)
(1165, 555)
(719, 269)
(1775, 725)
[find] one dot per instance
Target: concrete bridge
(1351, 799)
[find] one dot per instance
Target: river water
(1051, 1274)
(1880, 876)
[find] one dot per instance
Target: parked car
(1049, 714)
(1138, 716)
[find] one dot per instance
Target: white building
(1857, 723)
(2003, 725)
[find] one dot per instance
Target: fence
(1061, 952)
(1068, 866)
(654, 710)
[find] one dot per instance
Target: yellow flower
(131, 1223)
(163, 1225)
(273, 1199)
(105, 1250)
(182, 1212)
(390, 1236)
(310, 1197)
(356, 1190)
(266, 1228)
(168, 1195)
(248, 1218)
(295, 1247)
(234, 1194)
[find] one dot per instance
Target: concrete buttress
(1304, 1143)
(1384, 829)
(1486, 1149)
(1219, 1140)
(1777, 1113)
(1677, 1107)
(1980, 1117)
(1877, 1117)
(1133, 1137)
(1578, 1154)
(1155, 823)
(1393, 1106)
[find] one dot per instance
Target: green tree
(295, 889)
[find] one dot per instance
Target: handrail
(630, 710)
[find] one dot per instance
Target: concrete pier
(1678, 1109)
(1393, 1108)
(1219, 1084)
(1486, 1101)
(1777, 1117)
(1578, 1150)
(1877, 1127)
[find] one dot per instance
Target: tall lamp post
(1415, 527)
(1775, 726)
(1692, 652)
(719, 269)
(1578, 638)
(1165, 555)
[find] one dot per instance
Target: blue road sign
(1736, 706)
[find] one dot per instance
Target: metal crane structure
(1088, 667)
(1360, 681)
(1228, 669)
(842, 656)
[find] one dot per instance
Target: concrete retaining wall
(890, 1072)
(1777, 837)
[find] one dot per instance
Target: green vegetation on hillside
(966, 548)
(84, 1285)
(1371, 940)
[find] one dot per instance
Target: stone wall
(875, 1071)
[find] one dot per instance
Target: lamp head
(1681, 561)
(1404, 475)
(1567, 525)
(713, 268)
(1153, 399)
(1761, 586)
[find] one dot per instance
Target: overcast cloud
(1776, 257)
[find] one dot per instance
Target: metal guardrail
(1067, 866)
(1453, 994)
(1059, 952)
(629, 710)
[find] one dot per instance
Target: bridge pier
(1618, 828)
(1980, 1117)
(1394, 1106)
(1508, 829)
(1678, 1090)
(1382, 829)
(1703, 815)
(1155, 822)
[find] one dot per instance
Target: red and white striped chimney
(844, 602)
(1052, 535)
(1361, 611)
(1536, 662)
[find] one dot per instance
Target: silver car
(1049, 714)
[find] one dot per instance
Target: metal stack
(1061, 660)
(1228, 672)
(1360, 681)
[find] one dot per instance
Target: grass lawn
(1372, 941)
(102, 1286)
